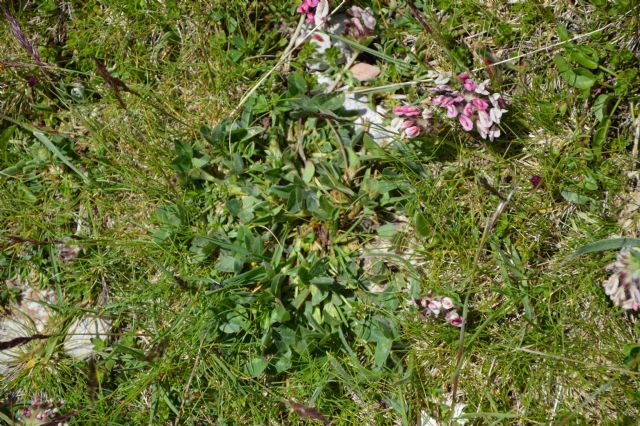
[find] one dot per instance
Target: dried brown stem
(416, 14)
(20, 36)
(115, 83)
(21, 341)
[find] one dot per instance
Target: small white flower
(484, 120)
(494, 132)
(495, 99)
(481, 88)
(447, 303)
(435, 307)
(322, 11)
(496, 114)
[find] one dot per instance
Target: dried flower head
(361, 24)
(623, 286)
(43, 411)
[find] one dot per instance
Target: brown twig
(115, 83)
(416, 14)
(21, 341)
(484, 182)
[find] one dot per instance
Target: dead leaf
(362, 71)
(307, 412)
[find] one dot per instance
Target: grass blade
(607, 244)
(55, 151)
(373, 52)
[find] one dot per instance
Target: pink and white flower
(465, 122)
(438, 306)
(407, 110)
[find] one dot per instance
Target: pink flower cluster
(42, 411)
(308, 7)
(472, 104)
(414, 121)
(439, 307)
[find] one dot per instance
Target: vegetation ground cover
(257, 265)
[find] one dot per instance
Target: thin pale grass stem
(348, 65)
(465, 310)
(636, 139)
(188, 385)
(577, 361)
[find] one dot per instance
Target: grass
(239, 277)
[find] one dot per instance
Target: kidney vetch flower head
(439, 306)
(469, 103)
(623, 286)
(472, 104)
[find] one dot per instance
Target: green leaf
(580, 78)
(236, 321)
(279, 314)
(583, 59)
(383, 348)
(562, 64)
(563, 34)
(308, 172)
(256, 366)
(625, 81)
(600, 106)
(184, 155)
(599, 137)
(574, 198)
(284, 362)
(169, 214)
(217, 135)
(632, 360)
(421, 224)
(584, 79)
(607, 244)
(317, 295)
(55, 151)
(330, 101)
(387, 230)
(5, 136)
(297, 85)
